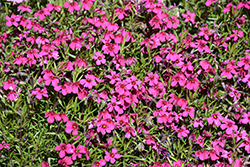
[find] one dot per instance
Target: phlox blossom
(100, 58)
(65, 161)
(72, 6)
(13, 20)
(182, 132)
(99, 163)
(51, 116)
(112, 156)
(39, 93)
(71, 126)
(189, 17)
(64, 148)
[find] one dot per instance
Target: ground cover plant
(124, 83)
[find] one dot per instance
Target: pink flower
(112, 156)
(246, 118)
(129, 131)
(72, 6)
(110, 48)
(229, 126)
(228, 72)
(214, 153)
(9, 84)
(156, 22)
(228, 155)
(246, 79)
(42, 13)
(201, 45)
(52, 7)
(114, 106)
(77, 152)
(65, 161)
(152, 78)
(75, 43)
(178, 78)
(193, 84)
(237, 34)
(182, 132)
(4, 145)
(103, 126)
(51, 116)
(200, 141)
(99, 163)
(204, 32)
(189, 17)
(188, 111)
(24, 8)
(39, 93)
(164, 105)
(100, 58)
(172, 22)
(120, 12)
(12, 96)
(197, 123)
(64, 148)
(86, 4)
(114, 77)
(89, 82)
(13, 20)
(244, 61)
(215, 118)
(209, 2)
(45, 164)
(71, 126)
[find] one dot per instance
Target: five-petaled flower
(112, 156)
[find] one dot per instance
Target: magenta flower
(113, 77)
(120, 12)
(246, 118)
(77, 152)
(229, 126)
(182, 132)
(75, 43)
(65, 161)
(244, 61)
(237, 34)
(201, 45)
(164, 105)
(9, 84)
(188, 111)
(86, 4)
(52, 7)
(24, 8)
(13, 20)
(104, 126)
(129, 131)
(214, 153)
(111, 49)
(39, 93)
(72, 6)
(42, 13)
(4, 145)
(173, 22)
(71, 126)
(89, 82)
(202, 154)
(209, 2)
(51, 116)
(100, 58)
(64, 148)
(12, 96)
(189, 17)
(204, 32)
(178, 78)
(193, 84)
(113, 105)
(215, 118)
(156, 22)
(45, 164)
(200, 141)
(99, 163)
(112, 156)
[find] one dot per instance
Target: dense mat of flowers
(125, 83)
